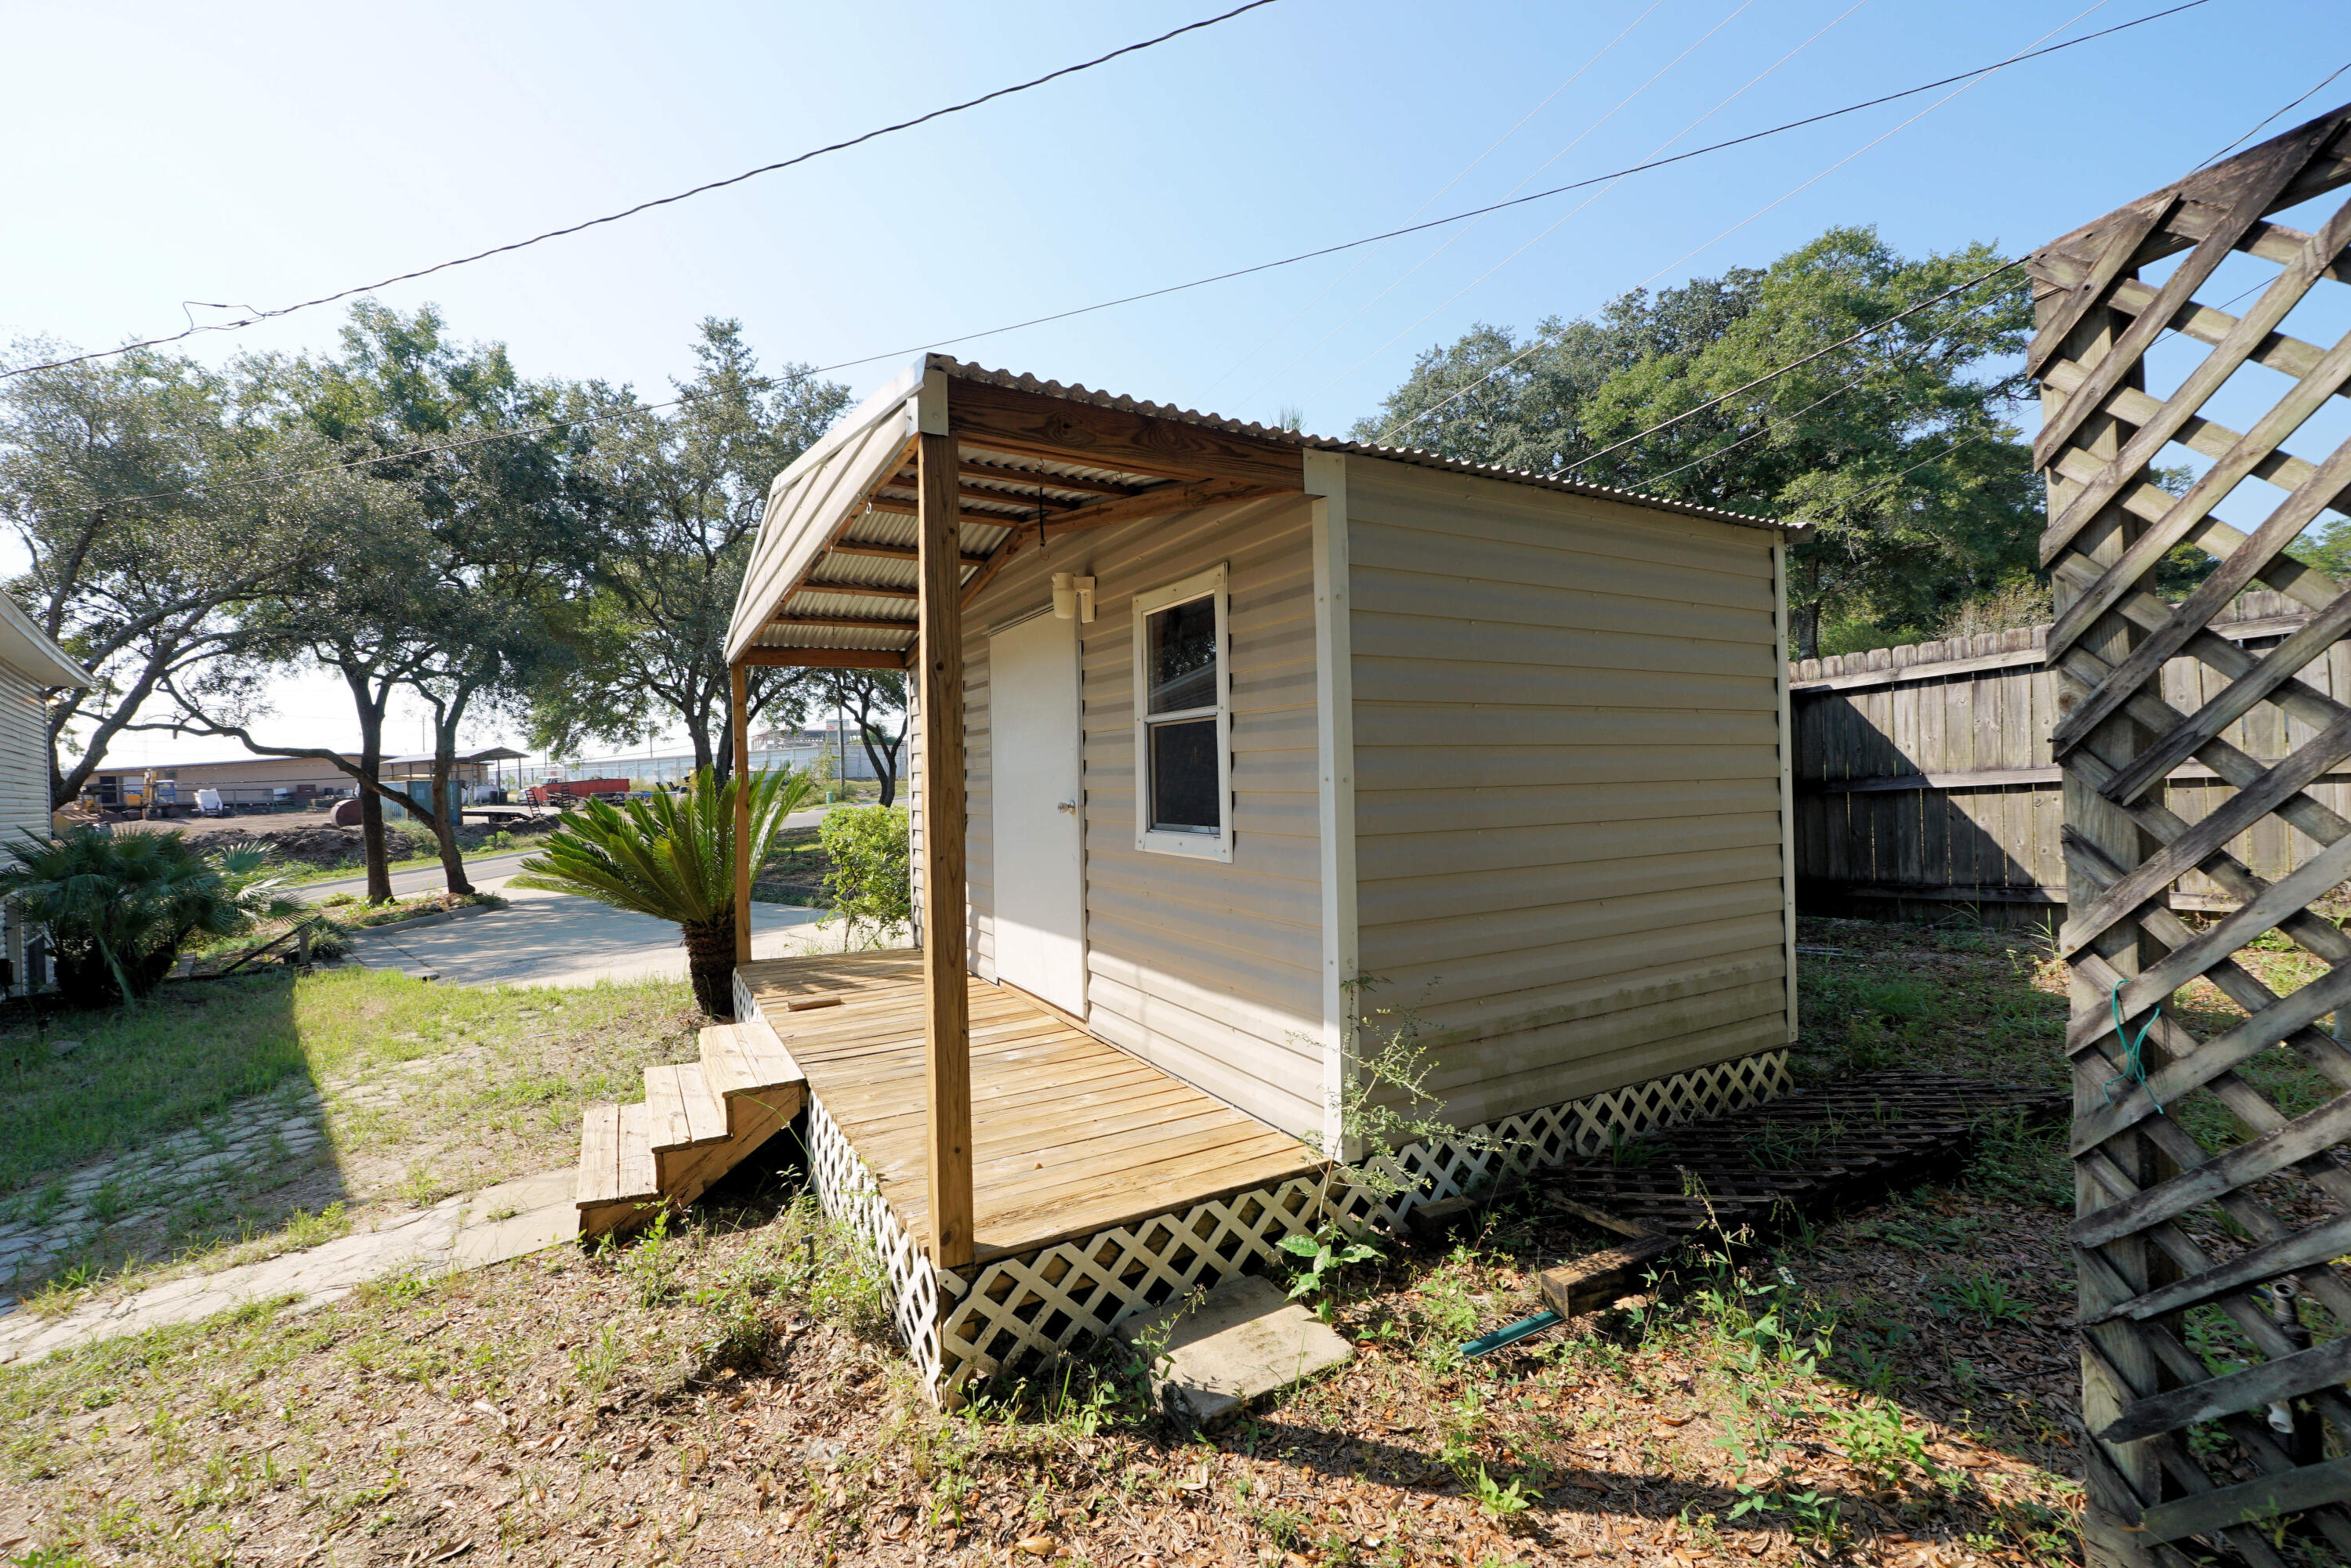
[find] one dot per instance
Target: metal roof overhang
(833, 574)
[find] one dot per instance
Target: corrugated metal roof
(816, 501)
(964, 370)
(786, 635)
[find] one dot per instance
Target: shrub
(870, 887)
(120, 908)
(672, 857)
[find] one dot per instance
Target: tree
(1896, 450)
(454, 586)
(342, 616)
(140, 491)
(678, 495)
(867, 696)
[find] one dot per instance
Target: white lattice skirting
(1015, 1314)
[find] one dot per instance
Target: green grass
(198, 1048)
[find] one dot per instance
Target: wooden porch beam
(947, 1021)
(868, 590)
(899, 506)
(1073, 432)
(738, 721)
(1144, 504)
(906, 480)
(825, 658)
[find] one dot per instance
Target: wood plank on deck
(1070, 1136)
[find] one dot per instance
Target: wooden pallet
(698, 1121)
(1800, 1153)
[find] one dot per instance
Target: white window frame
(1218, 845)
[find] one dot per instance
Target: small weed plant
(1385, 1106)
(1878, 1443)
(1978, 1293)
(650, 1267)
(1500, 1501)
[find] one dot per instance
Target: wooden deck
(1070, 1136)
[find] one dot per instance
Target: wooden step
(748, 1067)
(739, 1056)
(699, 1120)
(617, 1186)
(681, 1109)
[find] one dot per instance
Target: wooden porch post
(946, 1023)
(738, 719)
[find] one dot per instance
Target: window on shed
(1184, 788)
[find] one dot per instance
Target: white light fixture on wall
(1073, 598)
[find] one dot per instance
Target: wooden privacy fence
(1926, 782)
(2223, 1239)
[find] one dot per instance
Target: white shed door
(1033, 790)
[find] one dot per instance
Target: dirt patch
(325, 848)
(795, 871)
(730, 1394)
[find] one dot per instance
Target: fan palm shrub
(119, 908)
(671, 856)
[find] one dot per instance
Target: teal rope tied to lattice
(2134, 1052)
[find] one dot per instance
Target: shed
(1227, 738)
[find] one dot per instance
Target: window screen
(1183, 777)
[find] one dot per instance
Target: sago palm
(119, 907)
(672, 857)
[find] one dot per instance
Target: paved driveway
(554, 939)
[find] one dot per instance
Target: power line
(1574, 77)
(2280, 114)
(1518, 201)
(1410, 228)
(258, 316)
(1587, 202)
(1217, 277)
(1458, 234)
(1538, 340)
(1705, 457)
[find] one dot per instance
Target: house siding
(1210, 971)
(24, 787)
(1569, 841)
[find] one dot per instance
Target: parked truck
(562, 791)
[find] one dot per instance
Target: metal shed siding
(1568, 838)
(1210, 971)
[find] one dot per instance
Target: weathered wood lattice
(2192, 1222)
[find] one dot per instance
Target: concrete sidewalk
(508, 1220)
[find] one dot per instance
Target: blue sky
(257, 154)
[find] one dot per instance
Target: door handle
(1070, 806)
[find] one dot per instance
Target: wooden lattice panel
(1014, 1313)
(2204, 1209)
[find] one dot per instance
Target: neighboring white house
(30, 665)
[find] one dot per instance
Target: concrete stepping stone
(1243, 1341)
